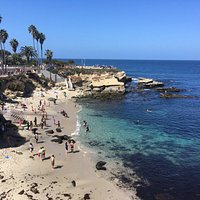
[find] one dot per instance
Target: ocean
(149, 143)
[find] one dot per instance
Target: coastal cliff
(95, 81)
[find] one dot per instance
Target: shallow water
(158, 139)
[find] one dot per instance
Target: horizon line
(129, 59)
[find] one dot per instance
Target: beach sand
(23, 175)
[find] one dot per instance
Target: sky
(108, 29)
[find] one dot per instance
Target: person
(31, 147)
(36, 137)
(52, 161)
(84, 123)
(87, 128)
(40, 152)
(54, 121)
(43, 153)
(71, 146)
(66, 146)
(65, 95)
(35, 121)
(28, 125)
(42, 125)
(58, 124)
(31, 125)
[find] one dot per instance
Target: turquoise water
(162, 150)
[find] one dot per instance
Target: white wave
(78, 126)
(135, 80)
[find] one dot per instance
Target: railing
(14, 70)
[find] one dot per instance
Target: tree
(28, 52)
(3, 38)
(32, 29)
(14, 44)
(49, 55)
(42, 38)
(1, 43)
(37, 37)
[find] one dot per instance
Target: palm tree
(41, 40)
(28, 52)
(37, 37)
(3, 38)
(1, 44)
(49, 55)
(32, 29)
(14, 44)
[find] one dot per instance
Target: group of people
(70, 144)
(41, 154)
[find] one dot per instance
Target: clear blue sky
(120, 29)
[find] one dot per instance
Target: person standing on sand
(36, 137)
(31, 147)
(31, 125)
(58, 124)
(71, 146)
(54, 121)
(52, 161)
(66, 146)
(35, 121)
(43, 153)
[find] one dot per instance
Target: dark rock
(67, 195)
(34, 190)
(21, 192)
(58, 140)
(49, 131)
(164, 196)
(66, 137)
(86, 196)
(170, 89)
(1, 177)
(169, 96)
(74, 183)
(100, 165)
(58, 130)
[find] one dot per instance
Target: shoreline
(29, 169)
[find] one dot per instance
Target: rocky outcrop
(149, 83)
(100, 165)
(170, 89)
(21, 85)
(169, 96)
(107, 85)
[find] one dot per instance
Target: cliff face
(21, 85)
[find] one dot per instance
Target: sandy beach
(24, 175)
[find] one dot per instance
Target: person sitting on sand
(31, 147)
(52, 161)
